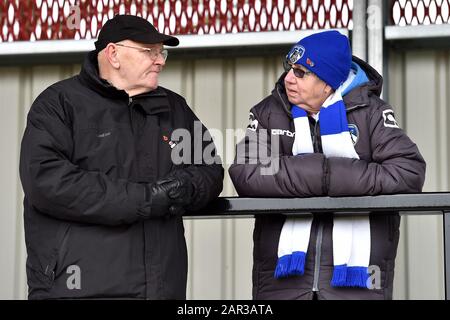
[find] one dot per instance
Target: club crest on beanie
(327, 54)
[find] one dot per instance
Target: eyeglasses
(299, 73)
(153, 53)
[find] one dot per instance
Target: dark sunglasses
(299, 73)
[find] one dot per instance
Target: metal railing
(406, 204)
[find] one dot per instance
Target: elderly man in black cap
(104, 197)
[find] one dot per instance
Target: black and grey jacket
(87, 153)
(389, 163)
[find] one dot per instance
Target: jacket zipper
(130, 101)
(317, 257)
(319, 237)
(132, 117)
(315, 138)
(145, 265)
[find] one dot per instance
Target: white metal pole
(375, 34)
(359, 47)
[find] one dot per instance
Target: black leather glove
(167, 197)
(157, 199)
(183, 190)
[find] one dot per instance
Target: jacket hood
(358, 95)
(358, 79)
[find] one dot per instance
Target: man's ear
(111, 54)
(327, 89)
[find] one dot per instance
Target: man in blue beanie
(330, 134)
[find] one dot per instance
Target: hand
(183, 190)
(158, 203)
(167, 197)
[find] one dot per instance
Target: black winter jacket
(87, 152)
(389, 163)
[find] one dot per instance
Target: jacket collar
(360, 96)
(153, 102)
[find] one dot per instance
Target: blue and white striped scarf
(351, 235)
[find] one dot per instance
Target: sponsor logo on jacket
(281, 132)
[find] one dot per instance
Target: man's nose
(160, 60)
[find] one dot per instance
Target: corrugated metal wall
(419, 83)
(221, 91)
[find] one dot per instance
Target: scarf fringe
(339, 276)
(344, 276)
(282, 269)
(357, 277)
(297, 266)
(290, 265)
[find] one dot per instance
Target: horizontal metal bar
(243, 39)
(417, 32)
(420, 203)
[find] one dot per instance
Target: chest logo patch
(354, 133)
(167, 140)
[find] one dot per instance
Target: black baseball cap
(129, 27)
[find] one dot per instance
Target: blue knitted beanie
(327, 54)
